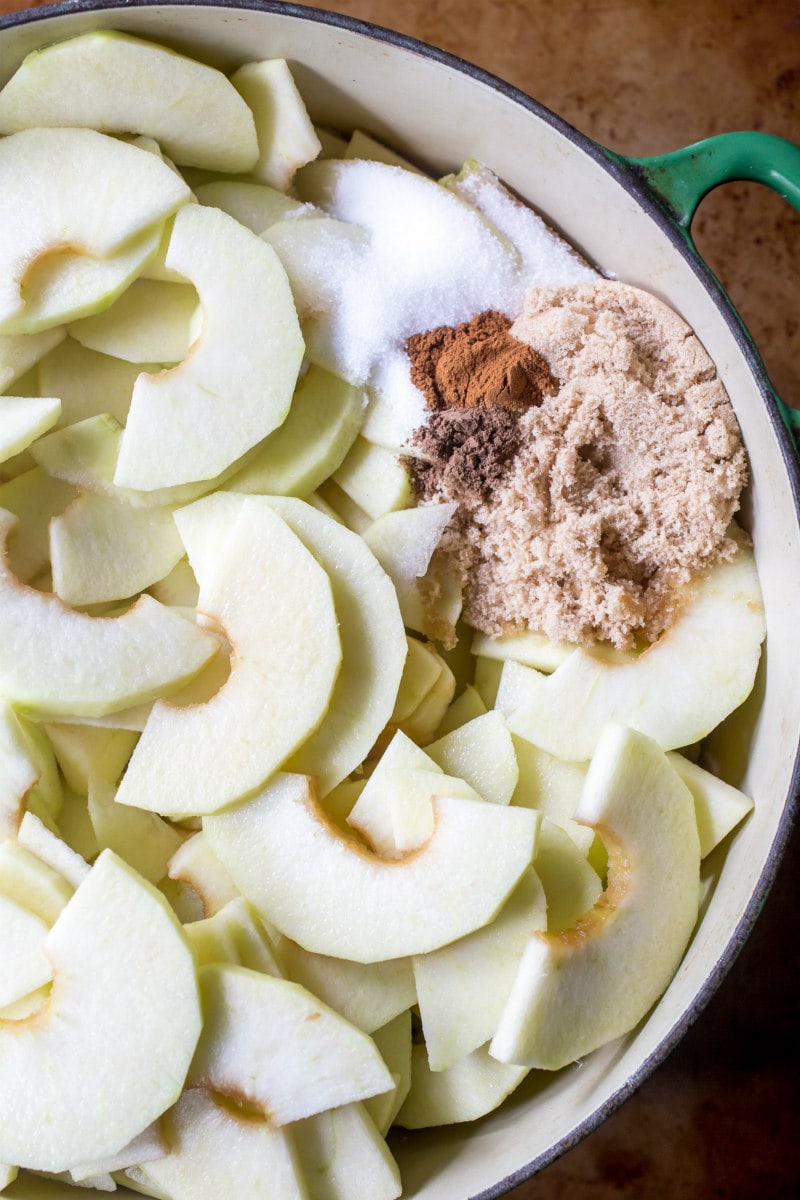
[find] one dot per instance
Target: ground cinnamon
(478, 365)
(463, 452)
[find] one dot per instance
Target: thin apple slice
(121, 84)
(312, 442)
(475, 1086)
(141, 838)
(324, 891)
(49, 848)
(368, 995)
(395, 812)
(29, 776)
(373, 647)
(552, 787)
(303, 1059)
(462, 989)
(88, 383)
(481, 752)
(234, 935)
(193, 421)
(152, 322)
(48, 207)
(344, 1157)
(374, 478)
(595, 981)
(275, 604)
(218, 1150)
(286, 137)
(26, 967)
(30, 882)
(109, 1052)
(463, 709)
(256, 205)
(708, 658)
(103, 549)
(394, 1045)
(196, 865)
(19, 352)
(34, 498)
(23, 419)
(58, 661)
(718, 807)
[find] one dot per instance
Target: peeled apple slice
(270, 1044)
(23, 419)
(54, 660)
(325, 891)
(708, 658)
(275, 605)
(46, 206)
(110, 1050)
(236, 385)
(593, 982)
(120, 84)
(26, 967)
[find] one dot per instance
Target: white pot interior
(439, 116)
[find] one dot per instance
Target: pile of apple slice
(277, 869)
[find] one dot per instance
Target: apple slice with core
(109, 1052)
(274, 602)
(48, 207)
(585, 985)
(325, 891)
(236, 385)
(120, 84)
(55, 660)
(302, 1059)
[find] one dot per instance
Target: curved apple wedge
(109, 1051)
(708, 658)
(121, 84)
(326, 891)
(583, 986)
(57, 661)
(219, 1151)
(235, 387)
(273, 1047)
(47, 207)
(275, 604)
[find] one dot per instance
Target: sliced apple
(395, 812)
(196, 865)
(394, 1045)
(23, 419)
(236, 385)
(286, 137)
(141, 838)
(595, 981)
(20, 352)
(218, 1149)
(121, 84)
(255, 205)
(234, 935)
(102, 549)
(475, 1086)
(48, 207)
(368, 995)
(302, 1060)
(319, 430)
(373, 647)
(26, 967)
(718, 807)
(462, 988)
(34, 498)
(571, 884)
(151, 322)
(481, 752)
(708, 658)
(275, 604)
(88, 383)
(49, 848)
(552, 787)
(31, 883)
(28, 772)
(344, 1157)
(374, 478)
(55, 660)
(463, 709)
(109, 1052)
(530, 648)
(326, 892)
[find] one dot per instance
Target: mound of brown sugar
(625, 482)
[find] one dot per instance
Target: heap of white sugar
(432, 260)
(546, 259)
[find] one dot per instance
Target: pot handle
(681, 178)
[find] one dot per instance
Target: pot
(632, 218)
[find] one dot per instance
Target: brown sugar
(624, 483)
(477, 364)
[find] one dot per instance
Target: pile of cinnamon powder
(622, 482)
